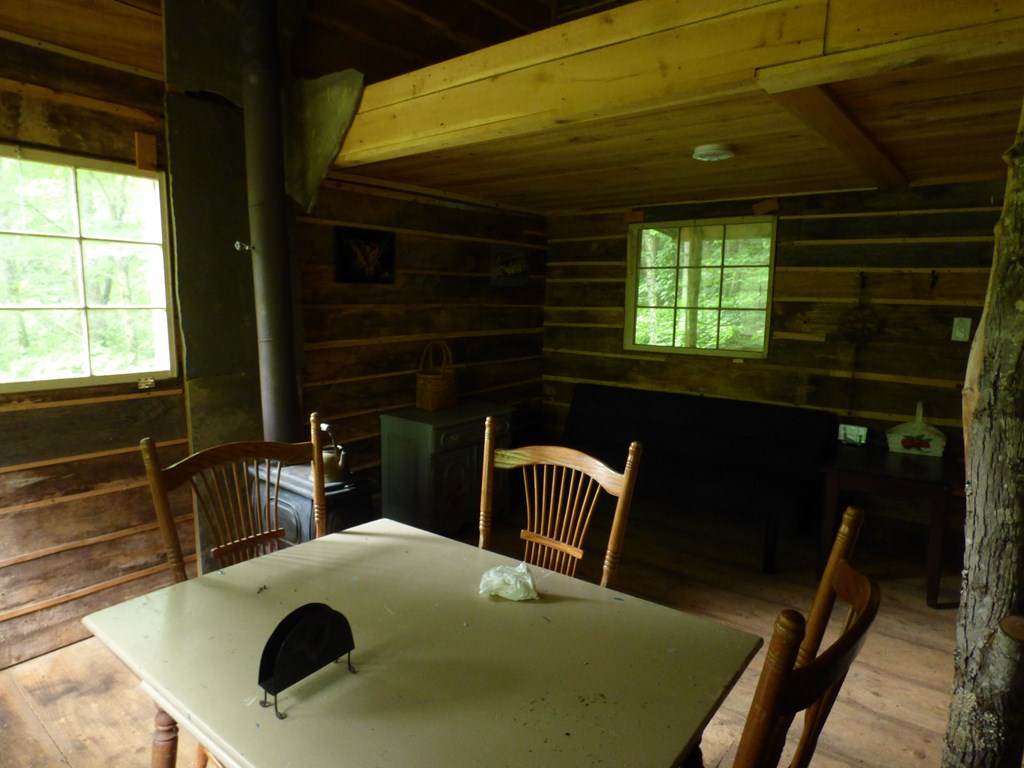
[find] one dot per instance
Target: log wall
(364, 341)
(912, 260)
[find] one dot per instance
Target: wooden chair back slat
(562, 489)
(796, 677)
(235, 490)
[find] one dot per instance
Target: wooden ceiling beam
(820, 112)
(653, 57)
(561, 42)
(1001, 38)
(106, 32)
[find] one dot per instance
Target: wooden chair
(240, 514)
(562, 488)
(796, 677)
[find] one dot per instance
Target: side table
(887, 473)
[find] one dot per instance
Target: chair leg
(202, 756)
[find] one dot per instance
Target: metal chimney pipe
(268, 225)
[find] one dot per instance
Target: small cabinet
(431, 462)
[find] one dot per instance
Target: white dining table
(445, 676)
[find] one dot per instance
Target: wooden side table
(886, 473)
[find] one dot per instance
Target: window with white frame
(700, 286)
(84, 272)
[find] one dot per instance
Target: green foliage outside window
(83, 272)
(701, 286)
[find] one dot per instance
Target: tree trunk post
(986, 708)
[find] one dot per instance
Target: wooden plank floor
(80, 707)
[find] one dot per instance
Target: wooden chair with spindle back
(796, 677)
(235, 492)
(562, 489)
(239, 512)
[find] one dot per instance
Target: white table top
(446, 676)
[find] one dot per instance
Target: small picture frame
(363, 255)
(509, 265)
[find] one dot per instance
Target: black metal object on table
(306, 640)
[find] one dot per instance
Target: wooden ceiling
(486, 99)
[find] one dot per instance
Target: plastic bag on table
(508, 582)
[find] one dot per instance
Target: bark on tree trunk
(986, 710)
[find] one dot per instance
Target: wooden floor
(80, 707)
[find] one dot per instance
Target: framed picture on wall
(509, 265)
(363, 255)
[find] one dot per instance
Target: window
(700, 287)
(84, 292)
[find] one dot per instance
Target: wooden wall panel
(32, 634)
(58, 430)
(52, 525)
(34, 120)
(363, 342)
(81, 567)
(917, 258)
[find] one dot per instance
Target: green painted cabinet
(431, 462)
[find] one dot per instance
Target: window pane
(36, 198)
(699, 287)
(658, 247)
(743, 329)
(127, 340)
(655, 287)
(42, 344)
(748, 244)
(745, 287)
(124, 274)
(708, 245)
(654, 327)
(697, 329)
(119, 207)
(39, 272)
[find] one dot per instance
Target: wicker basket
(435, 380)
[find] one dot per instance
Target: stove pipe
(268, 225)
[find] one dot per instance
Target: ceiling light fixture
(712, 153)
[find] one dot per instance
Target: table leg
(829, 519)
(936, 540)
(165, 740)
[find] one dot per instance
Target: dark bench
(700, 449)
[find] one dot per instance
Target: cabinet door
(456, 488)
